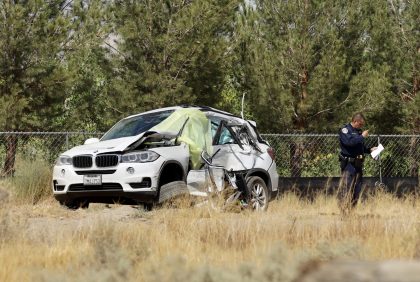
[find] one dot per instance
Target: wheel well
(263, 176)
(171, 172)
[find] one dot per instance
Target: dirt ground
(380, 242)
(68, 220)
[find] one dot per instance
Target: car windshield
(136, 125)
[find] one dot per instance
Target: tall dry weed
(31, 182)
(202, 244)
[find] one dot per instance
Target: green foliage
(321, 165)
(87, 105)
(31, 35)
(37, 42)
(303, 66)
(311, 64)
(231, 100)
(171, 52)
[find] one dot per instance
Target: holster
(357, 162)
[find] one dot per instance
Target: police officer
(352, 155)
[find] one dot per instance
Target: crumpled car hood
(113, 145)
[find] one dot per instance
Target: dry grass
(45, 242)
(32, 181)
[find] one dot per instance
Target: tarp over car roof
(196, 132)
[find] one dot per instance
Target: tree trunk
(414, 157)
(11, 143)
(296, 157)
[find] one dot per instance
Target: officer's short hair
(358, 116)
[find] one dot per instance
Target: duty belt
(351, 159)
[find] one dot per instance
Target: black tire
(84, 204)
(74, 205)
(259, 197)
(172, 190)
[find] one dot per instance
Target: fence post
(11, 144)
(380, 161)
(67, 141)
(414, 156)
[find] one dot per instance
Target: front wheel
(258, 199)
(74, 205)
(172, 190)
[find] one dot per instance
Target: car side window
(214, 127)
(225, 136)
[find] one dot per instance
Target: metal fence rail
(316, 155)
(298, 155)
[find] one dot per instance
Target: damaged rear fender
(262, 174)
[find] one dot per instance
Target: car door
(232, 148)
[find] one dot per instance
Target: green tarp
(196, 132)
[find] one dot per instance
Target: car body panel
(114, 145)
(232, 157)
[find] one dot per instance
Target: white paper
(375, 153)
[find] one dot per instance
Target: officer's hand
(373, 149)
(365, 133)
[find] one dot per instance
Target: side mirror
(91, 141)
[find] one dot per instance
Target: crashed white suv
(143, 153)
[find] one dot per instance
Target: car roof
(201, 108)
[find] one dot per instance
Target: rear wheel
(258, 199)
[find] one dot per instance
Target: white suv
(142, 153)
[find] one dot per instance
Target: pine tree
(37, 39)
(293, 65)
(170, 52)
(407, 27)
(87, 105)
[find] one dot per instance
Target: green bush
(323, 165)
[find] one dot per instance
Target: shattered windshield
(136, 125)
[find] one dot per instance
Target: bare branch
(332, 108)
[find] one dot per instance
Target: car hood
(113, 145)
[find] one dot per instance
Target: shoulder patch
(345, 130)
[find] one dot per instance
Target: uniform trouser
(351, 182)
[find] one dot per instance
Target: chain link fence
(17, 148)
(298, 155)
(316, 155)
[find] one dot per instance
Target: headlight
(64, 160)
(140, 157)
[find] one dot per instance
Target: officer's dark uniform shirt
(352, 143)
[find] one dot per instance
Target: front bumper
(118, 185)
(109, 196)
